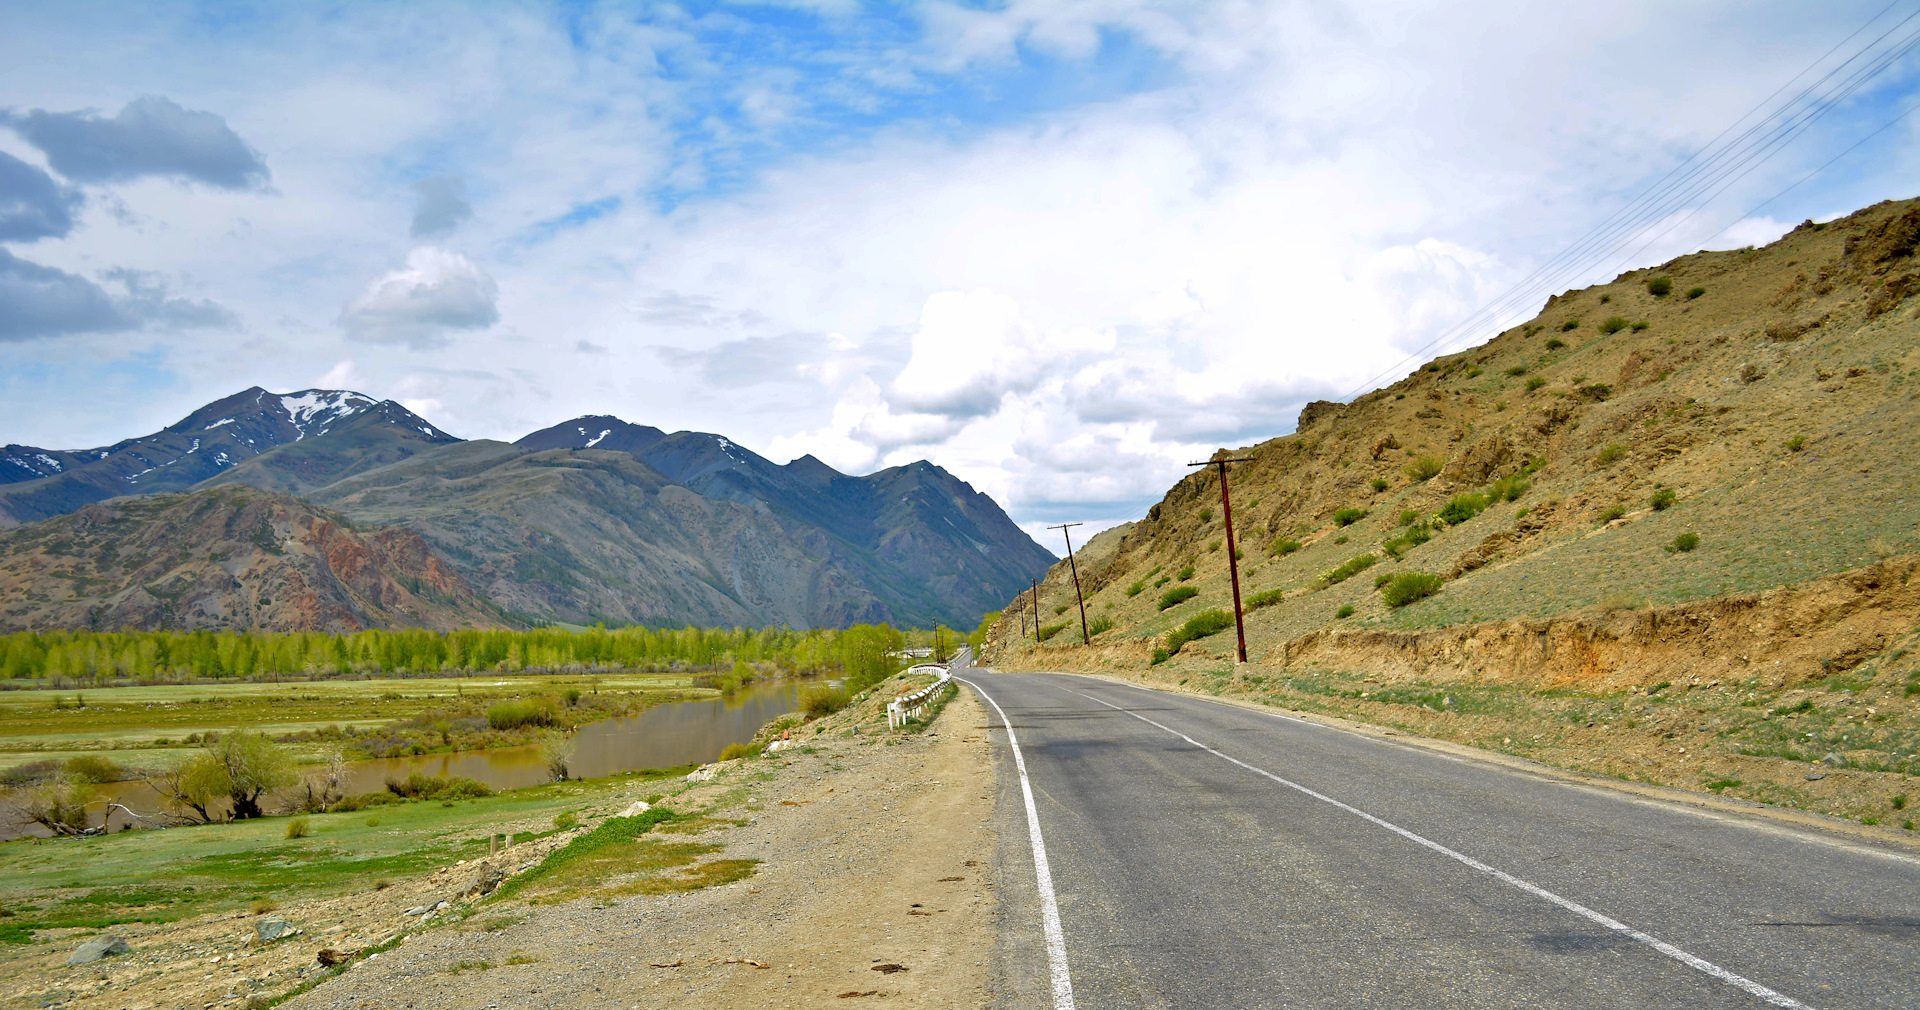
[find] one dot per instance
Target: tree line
(159, 656)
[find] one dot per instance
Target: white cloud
(438, 292)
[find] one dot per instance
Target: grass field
(172, 874)
(147, 726)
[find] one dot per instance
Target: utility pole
(1085, 639)
(1036, 611)
(1233, 548)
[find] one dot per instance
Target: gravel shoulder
(875, 851)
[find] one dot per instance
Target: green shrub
(1176, 596)
(1354, 566)
(1282, 545)
(1347, 517)
(1382, 579)
(1100, 624)
(1061, 609)
(567, 820)
(1611, 454)
(94, 768)
(1640, 324)
(821, 700)
(1186, 573)
(1510, 488)
(1535, 383)
(1051, 630)
(573, 696)
(1663, 499)
(1409, 538)
(1615, 324)
(1517, 370)
(1463, 507)
(1660, 287)
(1344, 612)
(1407, 517)
(1555, 344)
(1693, 293)
(1612, 513)
(297, 828)
(1407, 587)
(1213, 546)
(1266, 599)
(1685, 542)
(1200, 625)
(1206, 515)
(1425, 468)
(1797, 443)
(1569, 326)
(1380, 484)
(732, 752)
(421, 786)
(1159, 656)
(1137, 588)
(516, 714)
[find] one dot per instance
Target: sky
(1060, 249)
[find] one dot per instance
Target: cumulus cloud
(32, 204)
(438, 292)
(152, 136)
(440, 206)
(146, 300)
(972, 348)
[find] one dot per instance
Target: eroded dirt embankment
(1783, 637)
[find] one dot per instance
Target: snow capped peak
(319, 408)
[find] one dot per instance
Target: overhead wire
(1714, 167)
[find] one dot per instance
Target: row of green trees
(172, 655)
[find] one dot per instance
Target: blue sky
(1059, 248)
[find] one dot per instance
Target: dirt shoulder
(874, 850)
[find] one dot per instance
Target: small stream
(665, 736)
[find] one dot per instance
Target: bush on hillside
(1517, 370)
(1100, 624)
(1615, 324)
(1611, 454)
(1353, 566)
(1535, 383)
(1462, 507)
(1684, 542)
(1660, 287)
(1640, 324)
(1347, 517)
(1200, 625)
(1510, 488)
(822, 700)
(1693, 293)
(1176, 596)
(1344, 612)
(1555, 344)
(1186, 573)
(1663, 499)
(1569, 326)
(1425, 468)
(1282, 545)
(1137, 588)
(1051, 630)
(1407, 587)
(1380, 484)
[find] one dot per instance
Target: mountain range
(374, 517)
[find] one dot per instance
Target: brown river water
(665, 736)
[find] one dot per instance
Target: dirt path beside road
(875, 851)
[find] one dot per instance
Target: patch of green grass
(1176, 596)
(1462, 507)
(1509, 488)
(1407, 587)
(1663, 499)
(1200, 625)
(1380, 484)
(1266, 598)
(1517, 370)
(1100, 624)
(1185, 573)
(1282, 546)
(1610, 454)
(1569, 326)
(1344, 612)
(1352, 567)
(1555, 344)
(1722, 785)
(1051, 630)
(1693, 293)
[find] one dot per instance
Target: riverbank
(826, 856)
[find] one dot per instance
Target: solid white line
(1755, 988)
(1049, 908)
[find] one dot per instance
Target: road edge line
(1690, 960)
(1043, 874)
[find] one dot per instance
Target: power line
(1714, 167)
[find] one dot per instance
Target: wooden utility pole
(1036, 611)
(1233, 549)
(1085, 639)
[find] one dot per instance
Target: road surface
(1205, 855)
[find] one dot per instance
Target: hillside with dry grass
(1694, 490)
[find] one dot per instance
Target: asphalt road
(1234, 858)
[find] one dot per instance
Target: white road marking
(1738, 981)
(1049, 908)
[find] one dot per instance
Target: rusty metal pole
(1233, 550)
(1074, 567)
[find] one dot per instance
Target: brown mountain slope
(1775, 406)
(227, 558)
